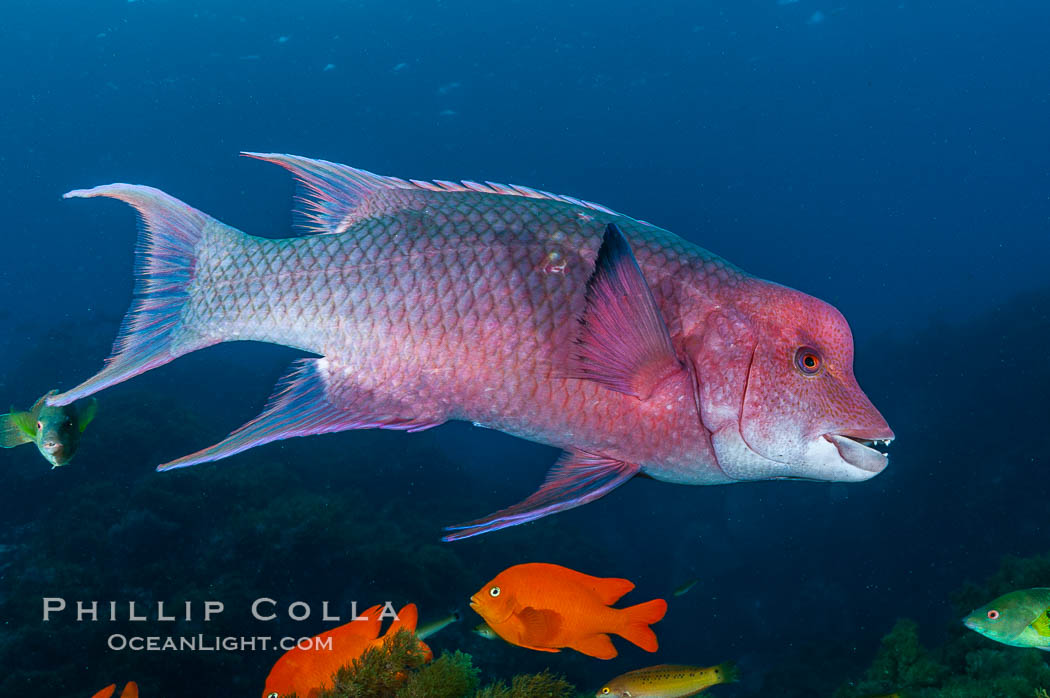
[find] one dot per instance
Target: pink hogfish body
(539, 315)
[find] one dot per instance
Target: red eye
(808, 361)
(993, 614)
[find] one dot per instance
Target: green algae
(398, 669)
(542, 685)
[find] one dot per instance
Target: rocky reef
(965, 665)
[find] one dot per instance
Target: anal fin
(599, 646)
(577, 478)
(312, 399)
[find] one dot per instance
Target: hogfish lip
(860, 452)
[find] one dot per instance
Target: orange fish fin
(106, 692)
(428, 654)
(636, 621)
(348, 636)
(406, 619)
(540, 649)
(538, 626)
(609, 589)
(131, 690)
(599, 646)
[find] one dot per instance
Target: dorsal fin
(335, 196)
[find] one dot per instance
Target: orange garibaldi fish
(304, 671)
(540, 315)
(546, 607)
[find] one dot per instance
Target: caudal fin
(637, 620)
(170, 233)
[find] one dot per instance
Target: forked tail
(637, 620)
(154, 330)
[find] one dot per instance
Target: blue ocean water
(888, 157)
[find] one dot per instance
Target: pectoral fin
(539, 626)
(87, 414)
(624, 343)
(577, 478)
(17, 428)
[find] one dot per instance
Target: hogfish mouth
(862, 452)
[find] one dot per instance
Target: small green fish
(667, 681)
(55, 430)
(482, 629)
(1020, 619)
(425, 631)
(685, 588)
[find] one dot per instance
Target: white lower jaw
(822, 461)
(858, 455)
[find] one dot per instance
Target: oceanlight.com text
(215, 643)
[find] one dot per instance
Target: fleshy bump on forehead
(800, 319)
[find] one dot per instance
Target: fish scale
(418, 317)
(540, 315)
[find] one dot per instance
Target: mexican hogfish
(543, 316)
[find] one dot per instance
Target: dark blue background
(889, 157)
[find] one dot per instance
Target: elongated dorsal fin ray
(335, 196)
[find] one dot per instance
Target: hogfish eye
(993, 614)
(808, 361)
(39, 426)
(494, 592)
(605, 691)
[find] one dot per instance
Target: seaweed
(398, 669)
(380, 671)
(542, 685)
(450, 676)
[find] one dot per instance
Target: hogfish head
(778, 392)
